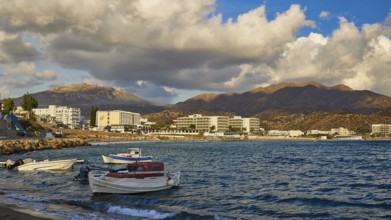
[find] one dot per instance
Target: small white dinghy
(134, 155)
(139, 177)
(47, 165)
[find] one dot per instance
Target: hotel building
(117, 119)
(383, 129)
(68, 116)
(220, 123)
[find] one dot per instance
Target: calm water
(223, 180)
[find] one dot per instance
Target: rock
(8, 147)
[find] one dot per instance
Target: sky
(167, 51)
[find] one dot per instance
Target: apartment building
(196, 121)
(118, 120)
(383, 129)
(66, 115)
(251, 124)
(244, 124)
(220, 123)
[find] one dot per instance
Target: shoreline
(22, 145)
(14, 212)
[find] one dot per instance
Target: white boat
(134, 155)
(139, 177)
(47, 165)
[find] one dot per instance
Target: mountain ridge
(84, 96)
(290, 97)
(287, 98)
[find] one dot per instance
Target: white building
(278, 133)
(68, 116)
(118, 120)
(383, 129)
(290, 133)
(316, 132)
(295, 133)
(251, 124)
(341, 131)
(220, 123)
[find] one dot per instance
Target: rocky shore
(8, 147)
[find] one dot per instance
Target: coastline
(21, 145)
(14, 212)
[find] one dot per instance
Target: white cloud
(46, 75)
(24, 75)
(359, 59)
(324, 15)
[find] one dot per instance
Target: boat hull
(100, 183)
(122, 160)
(47, 165)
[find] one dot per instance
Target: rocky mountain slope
(85, 95)
(289, 98)
(304, 105)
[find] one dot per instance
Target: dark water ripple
(223, 180)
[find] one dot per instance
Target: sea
(220, 180)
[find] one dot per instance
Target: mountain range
(280, 105)
(84, 96)
(290, 98)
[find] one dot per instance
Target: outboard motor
(12, 164)
(83, 173)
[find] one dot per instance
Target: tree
(212, 128)
(108, 128)
(94, 109)
(8, 105)
(28, 102)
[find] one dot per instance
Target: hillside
(85, 95)
(360, 123)
(304, 105)
(290, 98)
(168, 116)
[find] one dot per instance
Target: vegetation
(160, 126)
(94, 109)
(28, 102)
(8, 106)
(31, 126)
(234, 129)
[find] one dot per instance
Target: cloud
(24, 75)
(357, 58)
(192, 50)
(4, 92)
(156, 94)
(46, 75)
(133, 45)
(51, 17)
(324, 15)
(14, 49)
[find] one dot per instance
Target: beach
(13, 212)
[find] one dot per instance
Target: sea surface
(221, 180)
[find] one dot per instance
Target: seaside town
(61, 118)
(183, 109)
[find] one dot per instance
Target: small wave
(217, 217)
(333, 203)
(26, 198)
(151, 214)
